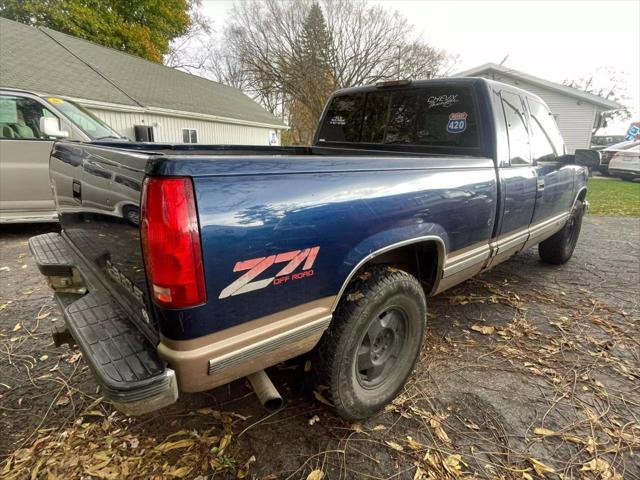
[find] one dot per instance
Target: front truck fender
(387, 241)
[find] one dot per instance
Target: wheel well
(582, 195)
(422, 260)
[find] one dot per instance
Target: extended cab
(247, 256)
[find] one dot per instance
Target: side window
(517, 129)
(541, 148)
(545, 119)
(502, 141)
(20, 118)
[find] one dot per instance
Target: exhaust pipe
(265, 391)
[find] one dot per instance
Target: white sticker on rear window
(442, 100)
(337, 120)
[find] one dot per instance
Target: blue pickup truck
(184, 267)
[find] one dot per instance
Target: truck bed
(254, 201)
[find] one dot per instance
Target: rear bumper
(124, 362)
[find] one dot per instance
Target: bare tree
(290, 55)
(191, 52)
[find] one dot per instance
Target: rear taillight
(171, 242)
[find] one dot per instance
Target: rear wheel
(559, 248)
(373, 342)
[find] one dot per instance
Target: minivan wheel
(132, 214)
(373, 341)
(559, 248)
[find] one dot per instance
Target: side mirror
(50, 126)
(587, 158)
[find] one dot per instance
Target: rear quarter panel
(346, 207)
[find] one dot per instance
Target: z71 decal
(257, 266)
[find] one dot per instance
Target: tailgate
(97, 192)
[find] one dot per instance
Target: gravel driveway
(528, 371)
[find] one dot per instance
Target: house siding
(168, 129)
(575, 117)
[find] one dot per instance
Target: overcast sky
(554, 40)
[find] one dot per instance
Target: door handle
(540, 184)
(76, 186)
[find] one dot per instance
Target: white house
(140, 99)
(576, 112)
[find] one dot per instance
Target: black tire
(373, 342)
(559, 248)
(132, 214)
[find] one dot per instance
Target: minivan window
(436, 116)
(83, 119)
(20, 118)
(516, 128)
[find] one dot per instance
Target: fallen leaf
(545, 432)
(472, 425)
(452, 464)
(44, 357)
(166, 447)
(17, 327)
(314, 419)
(178, 472)
(394, 445)
(413, 445)
(419, 475)
(64, 400)
(316, 475)
(437, 427)
(244, 471)
(540, 467)
(321, 398)
(597, 465)
(483, 329)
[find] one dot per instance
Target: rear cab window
(430, 116)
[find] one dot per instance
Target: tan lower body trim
(467, 262)
(247, 348)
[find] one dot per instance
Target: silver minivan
(29, 124)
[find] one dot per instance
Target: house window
(143, 133)
(189, 135)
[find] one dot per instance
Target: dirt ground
(528, 371)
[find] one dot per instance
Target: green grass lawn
(613, 197)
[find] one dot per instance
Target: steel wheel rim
(380, 347)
